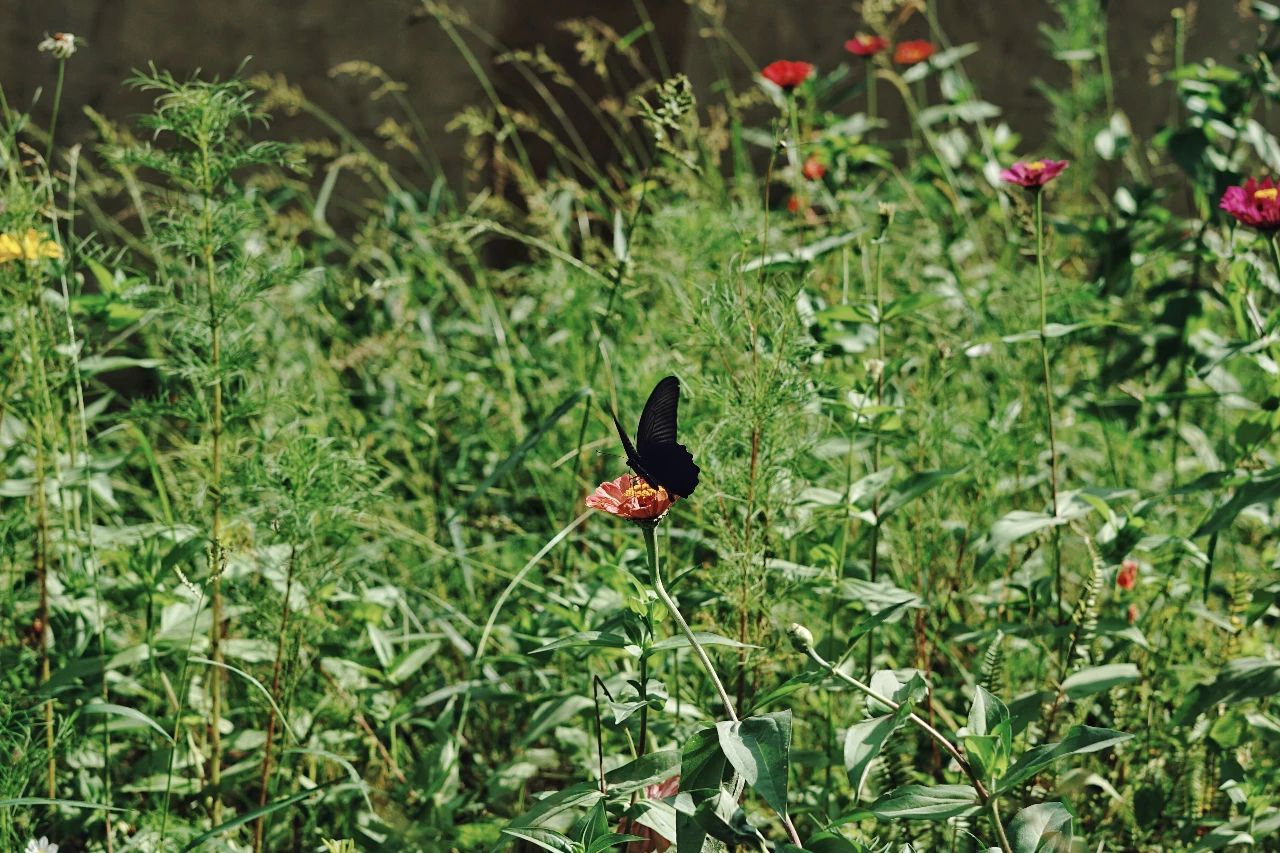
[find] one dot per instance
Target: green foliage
(292, 543)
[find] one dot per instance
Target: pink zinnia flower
(630, 497)
(1034, 174)
(653, 842)
(913, 52)
(786, 73)
(1127, 577)
(813, 168)
(1254, 204)
(866, 46)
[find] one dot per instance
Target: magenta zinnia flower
(786, 73)
(1034, 174)
(1254, 204)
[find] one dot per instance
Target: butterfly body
(656, 456)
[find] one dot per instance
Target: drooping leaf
(648, 769)
(862, 743)
(759, 748)
(1042, 827)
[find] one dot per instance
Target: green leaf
(1098, 679)
(862, 743)
(877, 596)
(702, 770)
(680, 641)
(648, 769)
(530, 441)
(1242, 678)
(1080, 740)
(1042, 827)
(128, 713)
(96, 364)
(254, 814)
(1013, 526)
(591, 639)
(20, 802)
(583, 795)
(925, 802)
(759, 748)
(986, 713)
(1263, 487)
(547, 839)
(913, 487)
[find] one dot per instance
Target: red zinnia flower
(866, 46)
(630, 497)
(813, 168)
(913, 52)
(653, 842)
(1254, 204)
(1128, 574)
(787, 74)
(1034, 174)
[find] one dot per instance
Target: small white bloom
(979, 350)
(875, 368)
(61, 45)
(41, 845)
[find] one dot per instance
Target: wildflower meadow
(821, 467)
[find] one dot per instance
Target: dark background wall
(304, 39)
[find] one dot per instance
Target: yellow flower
(9, 249)
(31, 246)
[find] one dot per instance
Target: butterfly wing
(658, 420)
(660, 459)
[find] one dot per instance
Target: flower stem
(987, 798)
(1048, 394)
(651, 546)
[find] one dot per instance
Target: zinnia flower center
(1266, 194)
(1036, 166)
(640, 489)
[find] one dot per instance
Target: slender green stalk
(651, 547)
(1048, 394)
(989, 800)
(53, 117)
(877, 285)
(40, 556)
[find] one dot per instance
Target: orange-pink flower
(913, 52)
(865, 45)
(1127, 577)
(652, 842)
(787, 74)
(630, 497)
(813, 168)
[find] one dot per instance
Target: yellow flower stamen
(1036, 166)
(1266, 194)
(640, 489)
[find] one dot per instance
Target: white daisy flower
(61, 45)
(41, 845)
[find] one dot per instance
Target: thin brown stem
(267, 768)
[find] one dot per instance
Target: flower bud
(801, 637)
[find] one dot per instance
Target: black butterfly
(657, 456)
